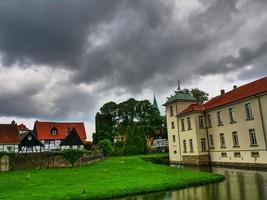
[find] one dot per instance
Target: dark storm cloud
(121, 46)
(229, 63)
(49, 32)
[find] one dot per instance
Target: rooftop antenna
(179, 87)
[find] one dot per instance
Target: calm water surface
(238, 185)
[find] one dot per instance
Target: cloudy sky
(61, 60)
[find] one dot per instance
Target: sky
(62, 60)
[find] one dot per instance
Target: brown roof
(9, 134)
(245, 91)
(192, 108)
(43, 130)
(22, 127)
(251, 89)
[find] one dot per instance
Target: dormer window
(53, 131)
(29, 137)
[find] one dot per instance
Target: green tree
(136, 141)
(199, 95)
(106, 146)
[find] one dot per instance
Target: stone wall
(196, 160)
(15, 162)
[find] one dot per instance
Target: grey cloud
(125, 45)
(229, 63)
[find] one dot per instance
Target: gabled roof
(72, 139)
(33, 142)
(22, 127)
(242, 92)
(179, 97)
(192, 108)
(251, 89)
(43, 130)
(9, 134)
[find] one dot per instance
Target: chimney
(222, 92)
(234, 87)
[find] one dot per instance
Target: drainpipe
(178, 132)
(262, 123)
(207, 132)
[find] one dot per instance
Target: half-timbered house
(55, 135)
(9, 138)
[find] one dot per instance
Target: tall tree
(199, 95)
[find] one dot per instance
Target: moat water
(238, 185)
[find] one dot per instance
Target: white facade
(9, 148)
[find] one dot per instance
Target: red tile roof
(192, 108)
(9, 134)
(245, 91)
(43, 130)
(242, 92)
(22, 127)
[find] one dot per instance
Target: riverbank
(113, 177)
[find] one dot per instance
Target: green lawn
(104, 179)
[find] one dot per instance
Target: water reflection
(238, 185)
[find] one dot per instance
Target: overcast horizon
(62, 60)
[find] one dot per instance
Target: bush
(106, 147)
(72, 155)
(118, 148)
(136, 142)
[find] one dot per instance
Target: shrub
(106, 147)
(72, 155)
(136, 142)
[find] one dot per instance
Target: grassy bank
(109, 178)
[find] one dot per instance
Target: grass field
(113, 177)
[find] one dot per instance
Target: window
(223, 154)
(208, 121)
(29, 137)
(171, 111)
(173, 127)
(52, 142)
(235, 139)
(237, 154)
(184, 144)
(252, 136)
(222, 140)
(175, 152)
(9, 148)
(189, 123)
(201, 121)
(219, 118)
(255, 154)
(53, 131)
(211, 141)
(182, 124)
(231, 115)
(191, 145)
(248, 111)
(203, 144)
(173, 138)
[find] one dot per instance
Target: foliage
(72, 155)
(114, 119)
(136, 141)
(105, 179)
(88, 146)
(118, 148)
(200, 95)
(106, 146)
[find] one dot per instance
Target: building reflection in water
(238, 185)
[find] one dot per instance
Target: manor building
(229, 129)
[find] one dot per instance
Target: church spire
(155, 104)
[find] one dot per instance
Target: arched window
(53, 131)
